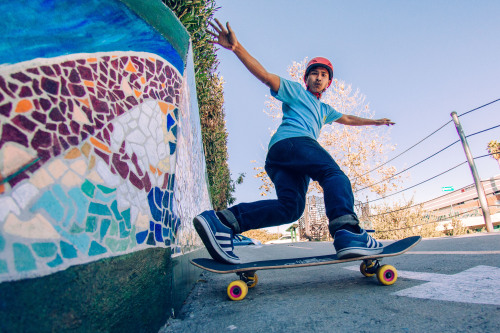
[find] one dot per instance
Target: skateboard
(370, 266)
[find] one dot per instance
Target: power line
(486, 130)
(414, 165)
(416, 144)
(479, 107)
(419, 142)
(442, 173)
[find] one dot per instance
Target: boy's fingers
(212, 33)
(214, 26)
(221, 27)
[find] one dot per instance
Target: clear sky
(415, 61)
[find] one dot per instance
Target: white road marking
(478, 285)
(454, 252)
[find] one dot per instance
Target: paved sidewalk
(445, 285)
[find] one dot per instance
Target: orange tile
(73, 153)
(24, 105)
(152, 168)
(91, 59)
(165, 107)
(84, 101)
(88, 83)
(137, 93)
(86, 149)
(92, 162)
(99, 145)
(143, 80)
(130, 68)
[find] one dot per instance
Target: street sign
(447, 189)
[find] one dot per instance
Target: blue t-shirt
(303, 113)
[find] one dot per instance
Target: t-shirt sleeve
(332, 115)
(287, 92)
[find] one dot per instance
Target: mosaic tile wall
(88, 150)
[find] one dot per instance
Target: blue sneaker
(350, 245)
(217, 238)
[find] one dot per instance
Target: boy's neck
(317, 94)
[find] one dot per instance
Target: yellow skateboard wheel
(363, 267)
(237, 290)
(387, 275)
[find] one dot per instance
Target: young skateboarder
(294, 157)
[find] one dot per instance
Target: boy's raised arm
(227, 39)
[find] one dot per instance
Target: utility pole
(477, 181)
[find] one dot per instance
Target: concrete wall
(101, 164)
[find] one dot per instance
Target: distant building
(464, 204)
(313, 225)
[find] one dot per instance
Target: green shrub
(195, 15)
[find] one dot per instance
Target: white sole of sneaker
(204, 231)
(358, 252)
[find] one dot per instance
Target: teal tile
(122, 245)
(112, 244)
(126, 217)
(105, 223)
(113, 230)
(133, 239)
(81, 203)
(105, 189)
(65, 202)
(23, 259)
(114, 209)
(96, 249)
(123, 231)
(80, 241)
(3, 267)
(44, 250)
(91, 224)
(76, 229)
(2, 243)
(88, 188)
(68, 251)
(99, 209)
(103, 197)
(56, 262)
(50, 204)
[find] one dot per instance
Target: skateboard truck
(250, 278)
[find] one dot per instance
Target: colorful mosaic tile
(100, 153)
(97, 141)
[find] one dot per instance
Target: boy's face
(318, 79)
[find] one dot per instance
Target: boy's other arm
(358, 121)
(227, 39)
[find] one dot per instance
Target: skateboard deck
(370, 266)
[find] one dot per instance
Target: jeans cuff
(338, 222)
(231, 219)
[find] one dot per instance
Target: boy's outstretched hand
(225, 38)
(384, 121)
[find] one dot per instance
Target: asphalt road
(445, 285)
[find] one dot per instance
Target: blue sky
(415, 61)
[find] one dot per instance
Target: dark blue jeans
(290, 164)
